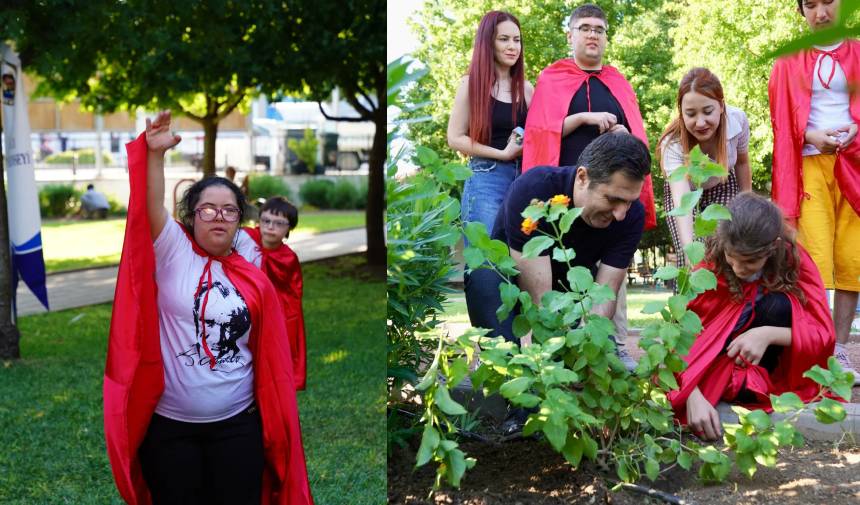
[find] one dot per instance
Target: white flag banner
(22, 197)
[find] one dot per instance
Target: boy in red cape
(816, 159)
(134, 373)
(281, 265)
(765, 324)
(570, 109)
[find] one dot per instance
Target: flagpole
(9, 334)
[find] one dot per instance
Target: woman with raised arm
(765, 324)
(491, 102)
(722, 132)
(199, 393)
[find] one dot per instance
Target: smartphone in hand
(520, 134)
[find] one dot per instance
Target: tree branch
(342, 118)
(230, 106)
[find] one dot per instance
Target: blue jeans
(484, 191)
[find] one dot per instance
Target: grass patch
(51, 430)
(73, 244)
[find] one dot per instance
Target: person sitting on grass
(765, 324)
(94, 204)
(281, 264)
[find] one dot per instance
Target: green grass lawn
(51, 436)
(72, 244)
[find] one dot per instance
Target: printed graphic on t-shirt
(226, 320)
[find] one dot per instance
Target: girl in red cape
(281, 265)
(765, 324)
(199, 395)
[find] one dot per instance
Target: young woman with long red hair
(491, 101)
(721, 131)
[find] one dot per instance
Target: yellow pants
(828, 228)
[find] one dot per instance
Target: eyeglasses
(586, 29)
(277, 223)
(207, 214)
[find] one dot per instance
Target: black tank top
(501, 123)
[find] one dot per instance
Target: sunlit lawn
(52, 447)
(71, 244)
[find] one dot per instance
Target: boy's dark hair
(90, 186)
(587, 11)
(192, 196)
(280, 206)
(615, 152)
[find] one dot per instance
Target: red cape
(790, 93)
(812, 341)
(554, 90)
(283, 269)
(134, 374)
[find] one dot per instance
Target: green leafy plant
(83, 156)
(266, 186)
(58, 200)
(343, 195)
(587, 404)
(316, 192)
(305, 148)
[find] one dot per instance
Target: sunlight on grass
(73, 244)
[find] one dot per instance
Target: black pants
(482, 300)
(204, 463)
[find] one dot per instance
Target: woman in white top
(722, 132)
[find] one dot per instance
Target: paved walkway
(97, 285)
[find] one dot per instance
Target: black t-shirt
(601, 101)
(501, 123)
(613, 246)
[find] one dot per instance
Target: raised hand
(159, 138)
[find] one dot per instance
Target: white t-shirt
(192, 391)
(829, 107)
(249, 249)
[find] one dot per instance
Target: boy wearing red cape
(815, 110)
(281, 265)
(765, 324)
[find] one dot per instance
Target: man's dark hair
(192, 196)
(587, 11)
(615, 152)
(280, 206)
(90, 186)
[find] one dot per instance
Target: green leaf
(537, 245)
(526, 400)
(746, 464)
(429, 443)
(819, 375)
(695, 252)
(580, 278)
(653, 307)
(768, 460)
(704, 227)
(677, 306)
(555, 430)
(678, 175)
(744, 442)
(457, 467)
(446, 404)
(715, 212)
(476, 232)
(666, 272)
(534, 212)
(589, 448)
(685, 461)
(703, 280)
(428, 380)
(426, 156)
(786, 402)
(691, 323)
(572, 450)
(509, 293)
(458, 370)
(521, 326)
(667, 379)
(759, 419)
(688, 202)
(568, 218)
(563, 255)
(829, 411)
(710, 454)
(553, 344)
(474, 257)
(652, 469)
(516, 386)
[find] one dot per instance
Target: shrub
(116, 208)
(305, 149)
(343, 195)
(361, 201)
(316, 192)
(266, 186)
(85, 157)
(58, 200)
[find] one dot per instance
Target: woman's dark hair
(615, 152)
(192, 196)
(280, 206)
(757, 229)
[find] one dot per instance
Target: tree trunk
(9, 336)
(210, 135)
(376, 251)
